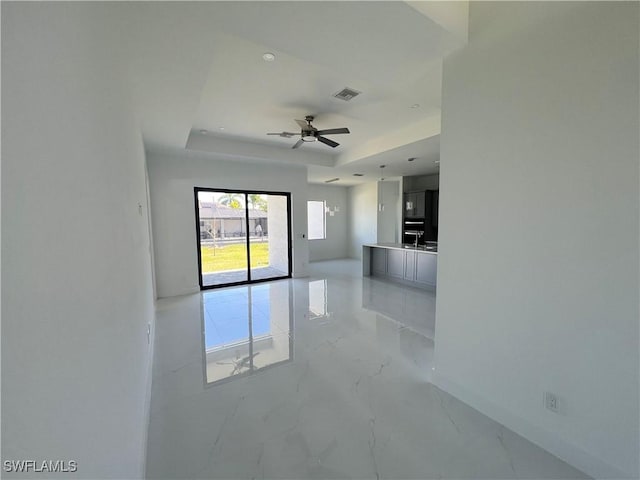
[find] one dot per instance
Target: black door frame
(246, 193)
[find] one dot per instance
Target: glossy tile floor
(324, 377)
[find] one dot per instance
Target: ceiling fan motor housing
(309, 133)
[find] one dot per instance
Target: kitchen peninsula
(402, 263)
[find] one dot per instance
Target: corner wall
(77, 291)
(388, 221)
(363, 217)
(172, 176)
(539, 237)
(336, 244)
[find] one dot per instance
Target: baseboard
(546, 440)
(179, 293)
(329, 259)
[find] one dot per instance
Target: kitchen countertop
(400, 246)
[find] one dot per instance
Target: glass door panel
(222, 238)
(269, 236)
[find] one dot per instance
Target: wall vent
(332, 180)
(347, 94)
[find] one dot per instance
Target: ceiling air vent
(347, 94)
(332, 180)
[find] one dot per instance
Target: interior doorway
(242, 236)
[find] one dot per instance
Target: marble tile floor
(317, 378)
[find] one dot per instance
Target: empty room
(320, 239)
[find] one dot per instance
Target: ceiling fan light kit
(308, 133)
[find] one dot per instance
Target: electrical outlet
(551, 402)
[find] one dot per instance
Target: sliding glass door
(243, 236)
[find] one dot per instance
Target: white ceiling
(198, 66)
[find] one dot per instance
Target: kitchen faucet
(418, 235)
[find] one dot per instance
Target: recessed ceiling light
(268, 57)
(358, 174)
(204, 132)
(221, 128)
(415, 105)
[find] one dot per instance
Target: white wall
(336, 245)
(76, 271)
(363, 217)
(538, 262)
(172, 177)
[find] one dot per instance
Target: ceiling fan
(309, 133)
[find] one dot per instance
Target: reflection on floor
(246, 329)
(235, 276)
(347, 395)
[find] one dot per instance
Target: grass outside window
(233, 257)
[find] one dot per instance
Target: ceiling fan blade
(284, 134)
(326, 141)
(298, 143)
(333, 131)
(302, 123)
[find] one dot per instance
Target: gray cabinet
(434, 208)
(426, 269)
(409, 199)
(407, 266)
(420, 199)
(379, 261)
(414, 205)
(395, 263)
(410, 265)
